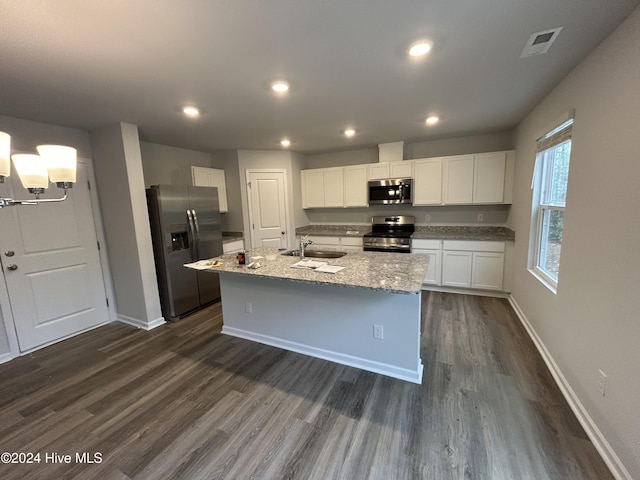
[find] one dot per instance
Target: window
(549, 200)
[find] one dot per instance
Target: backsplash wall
(438, 215)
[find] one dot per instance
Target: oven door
(383, 244)
(388, 249)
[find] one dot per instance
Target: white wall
(118, 166)
(163, 165)
(338, 159)
(227, 160)
(490, 142)
(298, 163)
(594, 320)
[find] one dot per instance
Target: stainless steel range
(390, 233)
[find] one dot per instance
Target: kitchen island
(336, 317)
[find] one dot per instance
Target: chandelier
(55, 163)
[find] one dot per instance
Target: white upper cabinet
(484, 178)
(475, 179)
(313, 188)
(211, 177)
(488, 179)
(382, 170)
(427, 184)
(334, 187)
(457, 179)
(378, 171)
(356, 193)
(403, 169)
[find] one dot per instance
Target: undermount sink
(315, 253)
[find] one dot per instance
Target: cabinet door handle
(9, 253)
(12, 267)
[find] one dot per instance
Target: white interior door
(51, 264)
(267, 213)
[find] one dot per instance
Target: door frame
(287, 213)
(5, 304)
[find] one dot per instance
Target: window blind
(555, 137)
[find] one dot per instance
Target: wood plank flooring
(185, 402)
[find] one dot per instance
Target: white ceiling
(86, 64)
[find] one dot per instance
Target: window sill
(544, 281)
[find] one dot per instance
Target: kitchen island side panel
(327, 321)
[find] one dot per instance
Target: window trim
(544, 276)
(540, 184)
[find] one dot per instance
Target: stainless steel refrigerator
(185, 227)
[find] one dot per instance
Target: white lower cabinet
(432, 249)
(473, 264)
(476, 265)
(456, 269)
(321, 242)
(351, 244)
(487, 270)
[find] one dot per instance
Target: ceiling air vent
(540, 42)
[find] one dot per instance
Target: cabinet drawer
(473, 245)
(426, 243)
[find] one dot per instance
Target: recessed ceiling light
(349, 132)
(432, 120)
(191, 111)
(420, 48)
(285, 142)
(280, 86)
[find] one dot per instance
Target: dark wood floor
(184, 401)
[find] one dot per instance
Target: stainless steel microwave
(391, 191)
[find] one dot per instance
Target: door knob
(12, 267)
(9, 253)
(282, 233)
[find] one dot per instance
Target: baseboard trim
(140, 324)
(6, 357)
(593, 432)
(368, 365)
(465, 291)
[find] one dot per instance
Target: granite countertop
(464, 233)
(334, 230)
(422, 232)
(388, 272)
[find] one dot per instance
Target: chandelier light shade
(31, 170)
(55, 162)
(60, 161)
(5, 153)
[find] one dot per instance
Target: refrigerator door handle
(192, 235)
(197, 230)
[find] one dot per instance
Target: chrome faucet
(304, 242)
